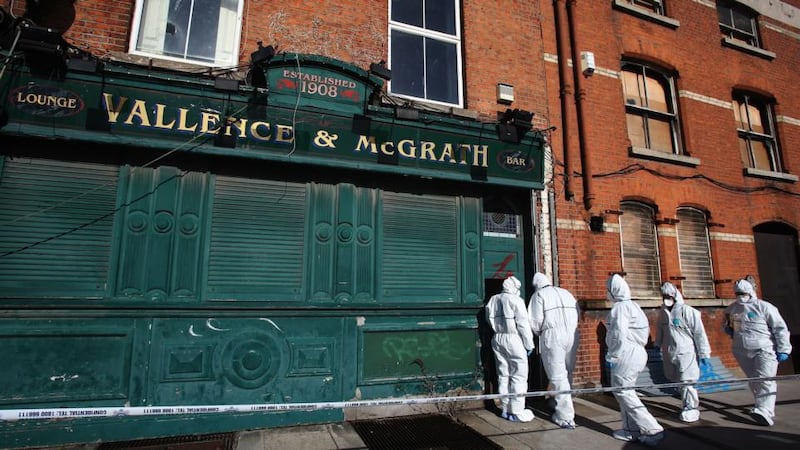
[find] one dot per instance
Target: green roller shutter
(257, 236)
(55, 228)
(420, 239)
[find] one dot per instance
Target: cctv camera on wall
(587, 63)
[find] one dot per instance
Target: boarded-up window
(55, 227)
(758, 145)
(640, 249)
(695, 254)
(650, 108)
(420, 248)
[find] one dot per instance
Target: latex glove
(705, 362)
(610, 365)
(530, 351)
(783, 357)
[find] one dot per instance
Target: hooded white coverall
(759, 332)
(683, 341)
(554, 316)
(628, 331)
(511, 343)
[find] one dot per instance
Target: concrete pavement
(724, 424)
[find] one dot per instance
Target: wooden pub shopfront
(176, 240)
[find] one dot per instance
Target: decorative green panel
(235, 360)
(161, 234)
(68, 361)
(365, 246)
(355, 231)
(55, 227)
(323, 242)
(471, 213)
(399, 354)
(419, 241)
(257, 235)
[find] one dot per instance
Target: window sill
(158, 62)
(587, 305)
(747, 48)
(664, 157)
(768, 174)
(647, 15)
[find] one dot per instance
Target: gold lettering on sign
(407, 148)
(47, 100)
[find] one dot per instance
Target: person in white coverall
(760, 342)
(512, 343)
(683, 340)
(554, 316)
(627, 334)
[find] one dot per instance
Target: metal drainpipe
(562, 41)
(586, 164)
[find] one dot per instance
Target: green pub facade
(175, 240)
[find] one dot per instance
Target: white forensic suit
(554, 316)
(626, 337)
(760, 341)
(512, 343)
(683, 340)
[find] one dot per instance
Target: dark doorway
(779, 278)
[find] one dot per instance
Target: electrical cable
(83, 194)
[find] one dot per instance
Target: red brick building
(271, 263)
(677, 154)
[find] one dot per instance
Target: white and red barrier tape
(113, 411)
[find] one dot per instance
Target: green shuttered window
(55, 227)
(257, 240)
(420, 248)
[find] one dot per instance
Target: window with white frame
(694, 253)
(205, 32)
(758, 145)
(640, 249)
(656, 6)
(738, 22)
(651, 109)
(425, 50)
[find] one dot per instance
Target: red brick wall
(704, 67)
(357, 31)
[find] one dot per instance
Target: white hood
(669, 289)
(511, 285)
(540, 281)
(617, 290)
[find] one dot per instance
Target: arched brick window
(695, 253)
(640, 249)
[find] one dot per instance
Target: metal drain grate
(223, 441)
(428, 431)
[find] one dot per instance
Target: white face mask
(668, 302)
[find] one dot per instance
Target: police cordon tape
(76, 413)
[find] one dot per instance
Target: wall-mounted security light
(505, 93)
(263, 55)
(379, 70)
(513, 124)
